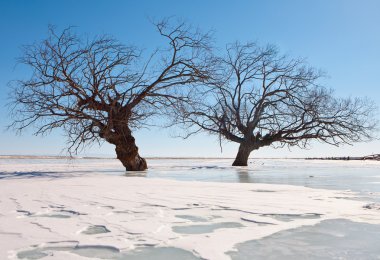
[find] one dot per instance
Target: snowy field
(189, 209)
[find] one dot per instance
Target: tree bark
(126, 149)
(127, 153)
(242, 155)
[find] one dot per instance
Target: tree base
(139, 164)
(239, 163)
(130, 158)
(242, 156)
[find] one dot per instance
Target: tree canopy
(100, 89)
(261, 98)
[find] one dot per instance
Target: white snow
(138, 211)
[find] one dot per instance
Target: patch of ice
(206, 228)
(109, 252)
(96, 229)
(330, 239)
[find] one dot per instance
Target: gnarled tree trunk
(242, 155)
(127, 153)
(126, 148)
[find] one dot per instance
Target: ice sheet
(56, 202)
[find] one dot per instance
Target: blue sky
(342, 37)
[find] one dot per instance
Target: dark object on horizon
(100, 90)
(260, 98)
(374, 157)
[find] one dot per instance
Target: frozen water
(159, 253)
(331, 239)
(290, 217)
(353, 175)
(206, 228)
(102, 252)
(358, 176)
(111, 253)
(213, 209)
(31, 254)
(97, 229)
(54, 215)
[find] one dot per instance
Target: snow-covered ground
(178, 209)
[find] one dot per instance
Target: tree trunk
(242, 155)
(128, 154)
(127, 151)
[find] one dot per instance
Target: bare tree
(265, 99)
(100, 90)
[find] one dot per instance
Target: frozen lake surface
(330, 239)
(358, 176)
(189, 209)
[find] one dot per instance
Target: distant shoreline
(375, 157)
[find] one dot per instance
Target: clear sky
(341, 37)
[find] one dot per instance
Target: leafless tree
(101, 90)
(264, 99)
